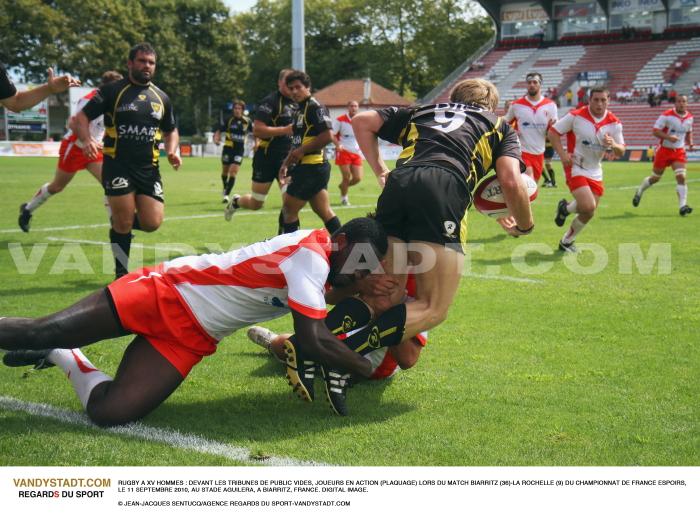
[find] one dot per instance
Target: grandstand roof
(344, 91)
(493, 7)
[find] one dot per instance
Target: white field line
(503, 278)
(172, 218)
(172, 438)
(171, 245)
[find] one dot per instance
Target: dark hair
(143, 48)
(110, 76)
(296, 74)
(368, 230)
(598, 89)
(532, 75)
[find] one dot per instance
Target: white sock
(39, 198)
(644, 186)
(108, 209)
(81, 373)
(571, 207)
(576, 226)
(344, 198)
(682, 191)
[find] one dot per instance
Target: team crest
(450, 227)
(142, 97)
(373, 340)
(157, 110)
(348, 324)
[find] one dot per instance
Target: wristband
(524, 232)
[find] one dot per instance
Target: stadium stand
(638, 120)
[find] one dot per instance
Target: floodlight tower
(298, 58)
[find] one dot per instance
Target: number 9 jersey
(465, 139)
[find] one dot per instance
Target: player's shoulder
(579, 112)
(271, 99)
(115, 87)
(313, 102)
(163, 95)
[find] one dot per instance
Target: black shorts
(120, 178)
(548, 152)
(232, 155)
(266, 165)
(308, 180)
(425, 203)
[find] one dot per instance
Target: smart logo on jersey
(137, 133)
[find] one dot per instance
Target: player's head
(353, 107)
(281, 83)
(534, 83)
(110, 76)
(238, 108)
(142, 63)
(477, 91)
(598, 97)
(299, 85)
(358, 247)
(681, 103)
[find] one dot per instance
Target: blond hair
(475, 90)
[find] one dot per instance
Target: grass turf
(569, 363)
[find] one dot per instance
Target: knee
(355, 180)
(102, 412)
(586, 210)
(122, 224)
(256, 205)
(150, 225)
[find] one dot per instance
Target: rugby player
(344, 321)
(137, 116)
(347, 152)
(71, 159)
(18, 101)
(447, 148)
(272, 125)
(179, 310)
(591, 130)
(235, 130)
(532, 115)
(306, 170)
(674, 128)
(550, 179)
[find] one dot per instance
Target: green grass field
(541, 362)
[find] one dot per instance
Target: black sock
(552, 180)
(290, 227)
(224, 179)
(350, 314)
(228, 186)
(333, 225)
(386, 331)
(121, 246)
(136, 225)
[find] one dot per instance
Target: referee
(137, 116)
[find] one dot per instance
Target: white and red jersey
(263, 281)
(96, 126)
(676, 124)
(532, 120)
(342, 128)
(585, 139)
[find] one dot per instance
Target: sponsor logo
(374, 338)
(348, 324)
(119, 183)
(450, 227)
(127, 107)
(139, 133)
(142, 97)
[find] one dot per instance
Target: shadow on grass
(494, 238)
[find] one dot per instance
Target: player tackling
(591, 131)
(675, 130)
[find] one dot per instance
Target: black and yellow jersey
(465, 139)
(135, 117)
(276, 110)
(312, 119)
(235, 130)
(7, 88)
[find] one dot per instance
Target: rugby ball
(488, 196)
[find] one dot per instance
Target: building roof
(341, 92)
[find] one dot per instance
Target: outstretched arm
(366, 125)
(26, 99)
